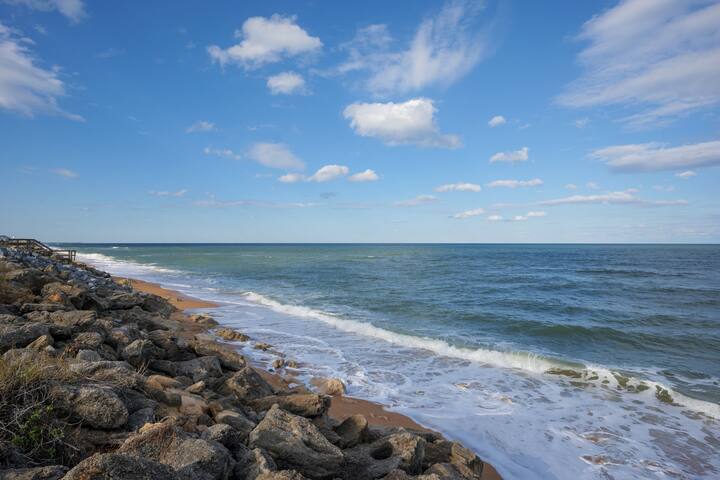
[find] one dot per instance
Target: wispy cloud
(64, 172)
(275, 155)
(411, 122)
(365, 176)
(535, 182)
(469, 213)
(327, 173)
(212, 202)
(661, 59)
(222, 153)
(626, 197)
(26, 88)
(266, 40)
(459, 187)
(496, 121)
(286, 83)
(419, 200)
(645, 157)
(511, 157)
(444, 48)
(201, 126)
(165, 193)
(686, 174)
(72, 9)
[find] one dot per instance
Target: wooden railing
(36, 246)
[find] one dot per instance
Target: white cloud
(458, 187)
(201, 126)
(329, 172)
(212, 202)
(515, 183)
(571, 186)
(222, 152)
(582, 122)
(410, 122)
(275, 155)
(519, 218)
(286, 83)
(536, 214)
(494, 218)
(445, 48)
(366, 176)
(511, 157)
(496, 121)
(419, 200)
(266, 40)
(686, 174)
(72, 9)
(165, 193)
(64, 172)
(645, 157)
(26, 88)
(470, 213)
(592, 186)
(292, 178)
(659, 58)
(626, 197)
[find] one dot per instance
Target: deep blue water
(486, 329)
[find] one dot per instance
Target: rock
(123, 336)
(192, 457)
(231, 335)
(118, 466)
(87, 341)
(248, 385)
(192, 405)
(43, 307)
(331, 386)
(202, 319)
(140, 417)
(278, 363)
(54, 472)
(175, 349)
(41, 342)
(281, 475)
(197, 369)
(224, 434)
(98, 407)
(162, 382)
(20, 336)
(229, 358)
(463, 460)
(254, 464)
(352, 430)
(304, 404)
(402, 450)
(263, 346)
(142, 352)
(196, 388)
(88, 356)
(237, 420)
(115, 372)
(291, 364)
(64, 293)
(295, 443)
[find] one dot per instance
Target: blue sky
(360, 122)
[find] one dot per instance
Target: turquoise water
(553, 361)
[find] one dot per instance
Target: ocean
(551, 361)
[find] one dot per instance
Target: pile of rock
(143, 399)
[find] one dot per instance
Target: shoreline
(342, 406)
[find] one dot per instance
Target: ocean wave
(576, 373)
(121, 267)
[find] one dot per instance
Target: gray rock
(254, 464)
(88, 356)
(88, 340)
(352, 430)
(304, 404)
(141, 352)
(463, 460)
(295, 443)
(20, 336)
(123, 336)
(404, 451)
(197, 369)
(248, 385)
(229, 358)
(98, 407)
(224, 434)
(118, 466)
(54, 472)
(281, 475)
(140, 417)
(237, 420)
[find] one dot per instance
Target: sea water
(550, 361)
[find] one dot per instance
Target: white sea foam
(121, 267)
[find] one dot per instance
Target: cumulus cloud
(495, 218)
(165, 193)
(458, 187)
(329, 172)
(515, 183)
(626, 197)
(275, 155)
(646, 157)
(366, 176)
(444, 48)
(686, 174)
(25, 87)
(286, 83)
(292, 178)
(419, 200)
(266, 40)
(511, 157)
(411, 122)
(201, 126)
(496, 121)
(661, 59)
(72, 9)
(470, 213)
(64, 172)
(222, 153)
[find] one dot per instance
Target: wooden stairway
(36, 246)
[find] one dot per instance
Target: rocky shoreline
(101, 381)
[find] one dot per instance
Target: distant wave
(121, 267)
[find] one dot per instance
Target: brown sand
(341, 407)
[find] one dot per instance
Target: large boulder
(142, 352)
(224, 434)
(231, 335)
(352, 430)
(97, 407)
(197, 369)
(229, 358)
(403, 450)
(248, 385)
(254, 464)
(64, 293)
(118, 466)
(295, 443)
(331, 386)
(304, 404)
(460, 458)
(237, 420)
(53, 472)
(193, 457)
(20, 335)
